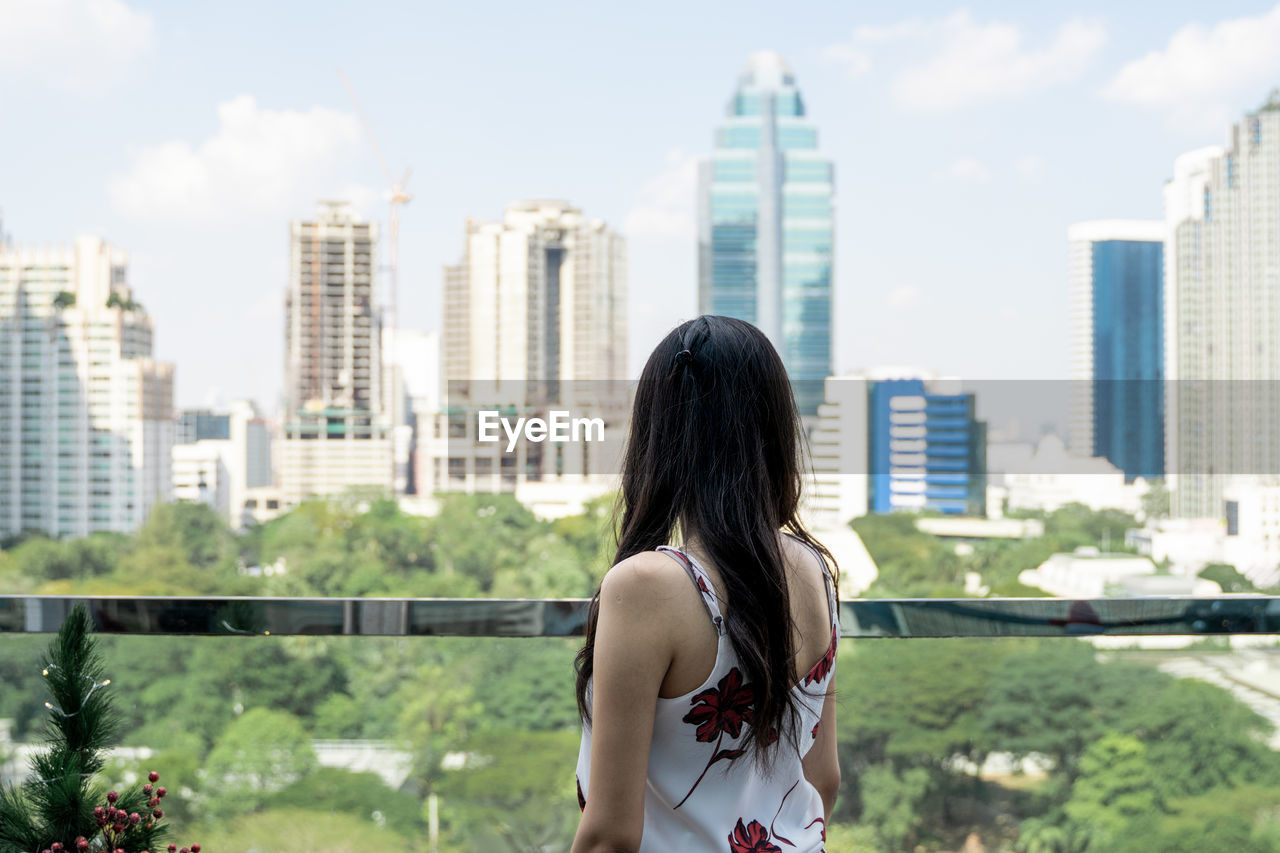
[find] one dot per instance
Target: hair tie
(684, 357)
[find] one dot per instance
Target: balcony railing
(427, 724)
(514, 617)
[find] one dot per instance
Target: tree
(1155, 502)
(911, 563)
(1200, 738)
(504, 796)
(55, 809)
(262, 752)
(195, 529)
(1055, 698)
(1075, 524)
(364, 795)
(891, 804)
(1227, 577)
(1116, 785)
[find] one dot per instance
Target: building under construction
(336, 433)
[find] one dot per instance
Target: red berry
(99, 811)
(112, 796)
(159, 813)
(153, 776)
(82, 844)
(160, 792)
(57, 847)
(195, 848)
(173, 848)
(135, 818)
(146, 789)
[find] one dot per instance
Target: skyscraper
(86, 414)
(335, 434)
(766, 223)
(1222, 297)
(541, 295)
(1117, 278)
(535, 310)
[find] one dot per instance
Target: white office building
(1046, 476)
(534, 320)
(838, 446)
(1222, 296)
(1252, 536)
(336, 433)
(86, 414)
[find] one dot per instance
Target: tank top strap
(833, 605)
(700, 579)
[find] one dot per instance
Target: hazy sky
(966, 139)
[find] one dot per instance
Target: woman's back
(702, 792)
(687, 678)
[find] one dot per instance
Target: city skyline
(1043, 120)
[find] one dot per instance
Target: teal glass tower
(766, 216)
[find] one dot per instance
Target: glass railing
(279, 724)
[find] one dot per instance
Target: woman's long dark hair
(716, 451)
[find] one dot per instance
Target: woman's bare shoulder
(647, 579)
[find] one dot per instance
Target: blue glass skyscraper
(766, 224)
(1117, 272)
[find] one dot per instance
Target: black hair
(716, 452)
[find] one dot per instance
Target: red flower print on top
(582, 801)
(751, 838)
(723, 708)
(822, 668)
(815, 729)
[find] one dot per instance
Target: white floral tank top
(696, 797)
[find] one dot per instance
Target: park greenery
(1118, 755)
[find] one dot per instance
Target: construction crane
(398, 196)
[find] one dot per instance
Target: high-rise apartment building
(539, 296)
(766, 224)
(534, 312)
(1222, 298)
(86, 414)
(1116, 275)
(335, 433)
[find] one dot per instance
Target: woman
(707, 680)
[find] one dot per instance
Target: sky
(966, 139)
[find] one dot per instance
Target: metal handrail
(511, 617)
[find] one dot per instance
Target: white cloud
(856, 61)
(73, 45)
(967, 170)
(1203, 71)
(666, 203)
(1030, 168)
(979, 62)
(259, 162)
(904, 297)
(973, 62)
